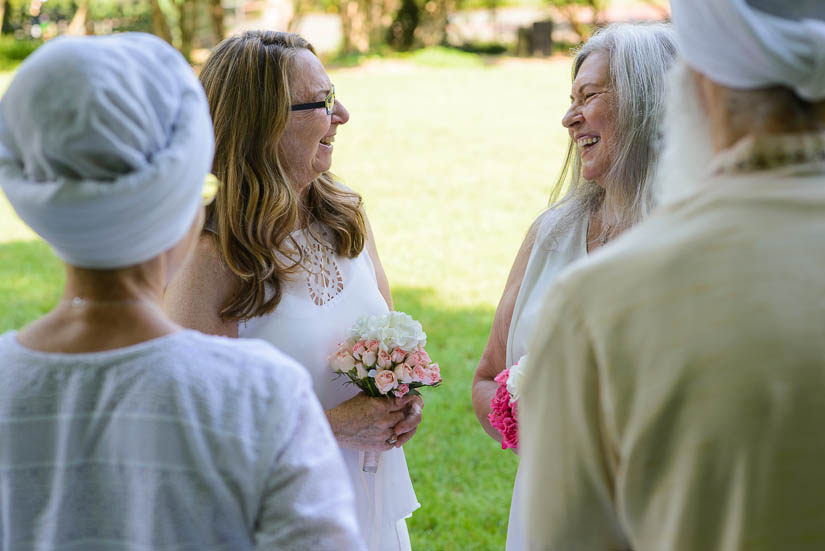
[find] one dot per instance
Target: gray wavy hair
(640, 56)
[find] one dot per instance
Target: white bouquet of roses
(384, 356)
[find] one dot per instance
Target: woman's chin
(322, 163)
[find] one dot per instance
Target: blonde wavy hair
(246, 80)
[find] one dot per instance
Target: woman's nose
(571, 117)
(340, 115)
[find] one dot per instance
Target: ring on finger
(392, 440)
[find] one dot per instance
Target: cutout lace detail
(324, 280)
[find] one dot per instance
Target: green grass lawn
(454, 161)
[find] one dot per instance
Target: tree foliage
(582, 15)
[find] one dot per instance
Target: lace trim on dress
(324, 280)
(757, 153)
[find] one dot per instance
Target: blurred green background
(454, 158)
(454, 150)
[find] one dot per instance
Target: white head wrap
(104, 146)
(737, 45)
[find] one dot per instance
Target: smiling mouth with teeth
(583, 142)
(327, 140)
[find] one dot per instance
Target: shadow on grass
(463, 479)
(31, 280)
(461, 476)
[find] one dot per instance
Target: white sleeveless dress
(318, 307)
(559, 242)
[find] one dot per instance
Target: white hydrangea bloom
(514, 377)
(391, 330)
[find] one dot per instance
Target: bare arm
(495, 353)
(380, 275)
(195, 297)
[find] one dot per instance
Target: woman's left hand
(405, 428)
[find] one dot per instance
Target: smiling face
(306, 145)
(591, 119)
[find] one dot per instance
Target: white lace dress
(318, 307)
(559, 242)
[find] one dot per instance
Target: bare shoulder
(196, 295)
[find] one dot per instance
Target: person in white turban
(674, 394)
(119, 429)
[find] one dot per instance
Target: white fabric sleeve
(568, 480)
(308, 502)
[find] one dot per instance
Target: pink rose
(360, 372)
(358, 349)
(385, 381)
(401, 390)
(383, 360)
(419, 374)
(432, 375)
(372, 345)
(414, 359)
(425, 358)
(342, 361)
(398, 355)
(368, 358)
(403, 373)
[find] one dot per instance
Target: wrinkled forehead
(794, 9)
(307, 75)
(594, 69)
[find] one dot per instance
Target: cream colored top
(674, 397)
(560, 240)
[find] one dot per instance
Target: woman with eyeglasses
(617, 102)
(288, 256)
(118, 428)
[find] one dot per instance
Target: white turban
(104, 146)
(740, 46)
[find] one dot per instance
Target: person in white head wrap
(117, 179)
(119, 429)
(676, 378)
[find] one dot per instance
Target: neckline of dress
(768, 152)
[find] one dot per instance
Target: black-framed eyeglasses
(328, 103)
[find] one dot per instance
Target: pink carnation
(504, 417)
(401, 390)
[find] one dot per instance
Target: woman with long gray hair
(617, 102)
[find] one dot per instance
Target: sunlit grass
(454, 161)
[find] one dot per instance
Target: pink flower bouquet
(504, 417)
(384, 356)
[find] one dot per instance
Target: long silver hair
(640, 56)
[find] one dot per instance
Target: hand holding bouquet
(384, 356)
(504, 416)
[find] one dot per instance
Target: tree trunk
(186, 24)
(77, 26)
(160, 26)
(4, 11)
(354, 26)
(216, 13)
